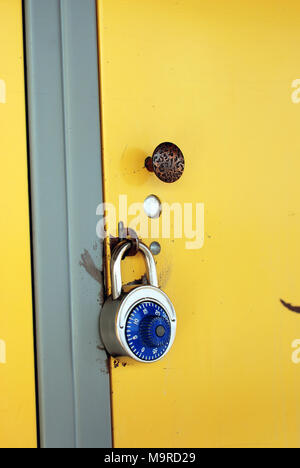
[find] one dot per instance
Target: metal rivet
(167, 162)
(155, 248)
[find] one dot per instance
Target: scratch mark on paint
(290, 307)
(89, 265)
(142, 280)
(164, 274)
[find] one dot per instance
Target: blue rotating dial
(148, 331)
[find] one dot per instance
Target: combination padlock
(142, 323)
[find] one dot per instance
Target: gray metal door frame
(66, 187)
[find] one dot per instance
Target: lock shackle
(115, 266)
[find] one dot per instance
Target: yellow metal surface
(17, 387)
(221, 80)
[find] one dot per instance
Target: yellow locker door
(221, 80)
(17, 385)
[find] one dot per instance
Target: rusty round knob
(167, 162)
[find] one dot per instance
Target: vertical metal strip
(66, 179)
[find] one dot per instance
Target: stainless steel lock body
(142, 323)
